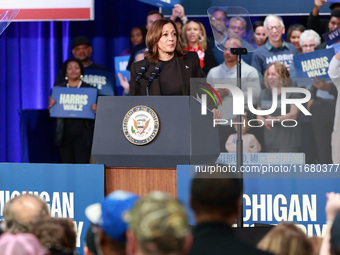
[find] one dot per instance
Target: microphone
(142, 70)
(155, 73)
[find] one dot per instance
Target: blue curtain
(31, 54)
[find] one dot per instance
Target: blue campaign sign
(168, 4)
(270, 200)
(332, 37)
(73, 102)
(102, 80)
(121, 63)
(67, 189)
(309, 65)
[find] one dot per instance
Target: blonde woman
(195, 39)
(286, 239)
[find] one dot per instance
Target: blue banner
(73, 102)
(332, 37)
(121, 63)
(64, 187)
(102, 80)
(271, 199)
(168, 4)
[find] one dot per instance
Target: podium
(184, 137)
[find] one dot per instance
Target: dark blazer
(209, 60)
(218, 238)
(321, 46)
(188, 67)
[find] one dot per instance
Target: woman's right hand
(124, 83)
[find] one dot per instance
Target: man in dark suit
(216, 203)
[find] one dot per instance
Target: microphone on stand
(154, 74)
(142, 70)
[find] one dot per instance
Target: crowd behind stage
(157, 223)
(316, 135)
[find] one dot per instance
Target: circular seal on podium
(140, 125)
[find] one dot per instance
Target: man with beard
(81, 50)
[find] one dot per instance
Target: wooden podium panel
(140, 180)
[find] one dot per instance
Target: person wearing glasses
(275, 49)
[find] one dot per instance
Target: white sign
(44, 10)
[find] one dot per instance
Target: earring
(201, 38)
(66, 78)
(81, 77)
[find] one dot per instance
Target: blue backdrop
(31, 54)
(64, 187)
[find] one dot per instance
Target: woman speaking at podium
(167, 68)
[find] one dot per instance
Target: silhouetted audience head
(218, 196)
(20, 244)
(158, 224)
(286, 239)
(21, 212)
(56, 235)
(335, 235)
(109, 226)
(334, 6)
(316, 242)
(90, 244)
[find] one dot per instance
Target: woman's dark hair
(142, 29)
(298, 27)
(64, 66)
(154, 35)
(220, 194)
(56, 235)
(258, 23)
